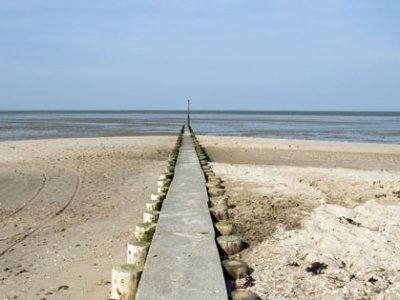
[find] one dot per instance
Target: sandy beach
(320, 218)
(68, 207)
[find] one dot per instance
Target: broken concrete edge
(125, 277)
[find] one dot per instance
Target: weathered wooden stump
(137, 252)
(214, 185)
(170, 169)
(125, 280)
(150, 216)
(172, 161)
(230, 244)
(173, 158)
(209, 174)
(242, 294)
(158, 196)
(236, 268)
(219, 212)
(214, 192)
(166, 175)
(206, 168)
(163, 182)
(219, 200)
(153, 205)
(214, 179)
(224, 227)
(163, 189)
(144, 232)
(163, 176)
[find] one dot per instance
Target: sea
(371, 127)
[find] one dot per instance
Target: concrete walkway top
(183, 261)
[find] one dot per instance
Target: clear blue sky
(270, 54)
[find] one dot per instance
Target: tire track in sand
(25, 234)
(40, 189)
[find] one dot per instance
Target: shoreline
(260, 151)
(45, 138)
(245, 142)
(307, 144)
(300, 144)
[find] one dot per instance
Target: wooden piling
(230, 244)
(125, 280)
(137, 252)
(144, 232)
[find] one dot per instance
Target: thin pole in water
(188, 112)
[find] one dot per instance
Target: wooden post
(154, 197)
(212, 178)
(150, 216)
(236, 268)
(137, 252)
(125, 280)
(241, 294)
(162, 196)
(220, 212)
(209, 173)
(219, 200)
(170, 169)
(215, 192)
(153, 205)
(144, 232)
(207, 168)
(214, 185)
(224, 227)
(231, 244)
(162, 177)
(163, 189)
(163, 182)
(188, 112)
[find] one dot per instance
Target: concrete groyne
(183, 261)
(175, 254)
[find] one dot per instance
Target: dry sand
(68, 206)
(321, 218)
(67, 209)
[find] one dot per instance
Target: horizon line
(196, 110)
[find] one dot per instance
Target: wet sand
(321, 218)
(67, 209)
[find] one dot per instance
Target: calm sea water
(377, 127)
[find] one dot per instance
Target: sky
(228, 54)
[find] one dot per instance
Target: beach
(320, 218)
(69, 206)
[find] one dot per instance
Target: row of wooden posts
(236, 270)
(126, 277)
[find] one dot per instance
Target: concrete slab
(190, 216)
(182, 188)
(196, 172)
(181, 266)
(183, 260)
